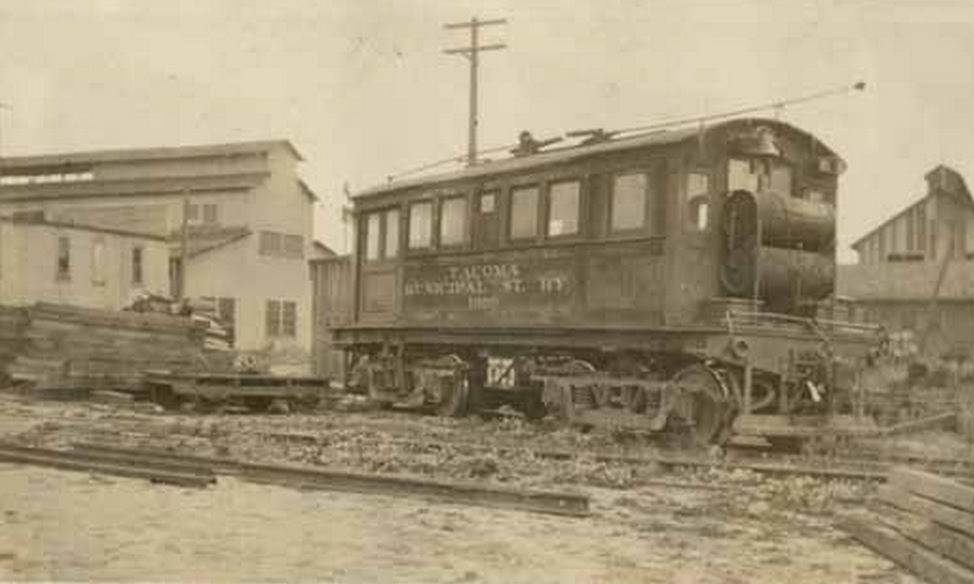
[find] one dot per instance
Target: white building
(91, 267)
(249, 216)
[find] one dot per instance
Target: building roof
(44, 161)
(906, 281)
(130, 187)
(307, 191)
(40, 221)
(205, 238)
(941, 179)
(574, 152)
(322, 250)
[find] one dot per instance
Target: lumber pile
(925, 523)
(12, 323)
(56, 346)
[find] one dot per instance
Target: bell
(764, 143)
(759, 143)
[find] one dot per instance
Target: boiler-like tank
(777, 249)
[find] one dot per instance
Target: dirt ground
(730, 527)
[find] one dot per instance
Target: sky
(363, 89)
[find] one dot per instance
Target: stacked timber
(60, 347)
(12, 324)
(925, 523)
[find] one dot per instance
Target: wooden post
(183, 248)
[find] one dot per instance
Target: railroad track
(767, 463)
(190, 470)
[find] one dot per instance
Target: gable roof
(68, 159)
(906, 281)
(574, 152)
(177, 185)
(307, 191)
(940, 179)
(322, 249)
(43, 222)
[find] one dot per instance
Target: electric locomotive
(678, 280)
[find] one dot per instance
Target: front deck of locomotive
(674, 281)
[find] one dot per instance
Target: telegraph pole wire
(472, 54)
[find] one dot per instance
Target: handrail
(812, 323)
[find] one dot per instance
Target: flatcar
(679, 280)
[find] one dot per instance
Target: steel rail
(69, 460)
(303, 477)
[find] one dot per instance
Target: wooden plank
(924, 563)
(942, 540)
(933, 487)
(942, 514)
(947, 420)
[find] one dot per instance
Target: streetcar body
(621, 281)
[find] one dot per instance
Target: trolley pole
(472, 54)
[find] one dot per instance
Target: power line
(472, 54)
(776, 106)
(654, 127)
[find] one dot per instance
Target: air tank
(790, 262)
(787, 222)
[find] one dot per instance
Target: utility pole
(3, 106)
(184, 248)
(472, 55)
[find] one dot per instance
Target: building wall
(949, 326)
(276, 204)
(923, 232)
(156, 214)
(196, 166)
(29, 266)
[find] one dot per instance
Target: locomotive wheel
(698, 408)
(454, 399)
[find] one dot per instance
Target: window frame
(692, 202)
(579, 205)
(62, 263)
(464, 221)
(429, 243)
(289, 328)
(99, 268)
(646, 226)
(512, 191)
(272, 318)
(383, 222)
(209, 214)
(370, 236)
(137, 258)
(298, 251)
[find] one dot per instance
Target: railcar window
(392, 233)
(781, 179)
(698, 200)
(740, 176)
(524, 212)
(629, 201)
(420, 225)
(563, 204)
(453, 220)
(488, 202)
(372, 234)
